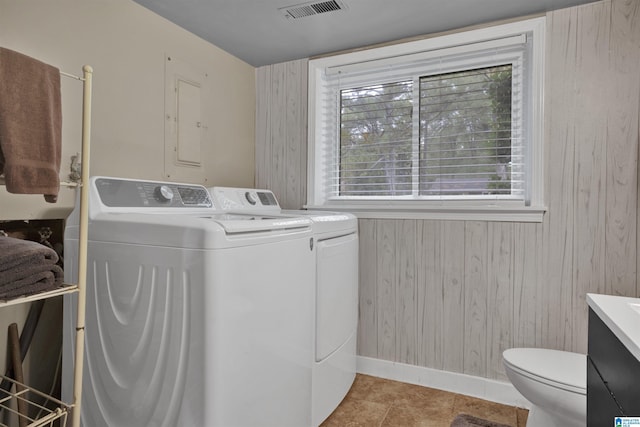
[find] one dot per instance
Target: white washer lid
(561, 367)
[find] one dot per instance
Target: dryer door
(336, 293)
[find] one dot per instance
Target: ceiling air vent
(310, 9)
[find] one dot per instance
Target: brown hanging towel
(30, 125)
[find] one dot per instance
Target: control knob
(251, 198)
(164, 193)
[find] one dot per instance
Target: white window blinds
(468, 139)
(376, 142)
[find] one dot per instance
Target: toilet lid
(560, 367)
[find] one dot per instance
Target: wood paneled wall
(453, 295)
(281, 131)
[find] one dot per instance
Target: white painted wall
(126, 45)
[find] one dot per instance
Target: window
(445, 127)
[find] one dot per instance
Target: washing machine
(194, 317)
(336, 292)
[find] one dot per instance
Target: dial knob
(251, 198)
(164, 193)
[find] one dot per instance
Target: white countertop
(622, 316)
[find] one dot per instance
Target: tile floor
(377, 402)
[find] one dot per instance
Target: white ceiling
(257, 32)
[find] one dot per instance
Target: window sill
(458, 213)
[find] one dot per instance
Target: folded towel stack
(27, 268)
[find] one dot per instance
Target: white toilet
(555, 382)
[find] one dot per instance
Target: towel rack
(62, 410)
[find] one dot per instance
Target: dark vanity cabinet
(613, 376)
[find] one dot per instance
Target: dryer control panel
(116, 192)
(245, 199)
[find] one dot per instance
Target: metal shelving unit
(24, 393)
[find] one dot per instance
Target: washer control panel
(244, 199)
(116, 192)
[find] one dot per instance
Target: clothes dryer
(195, 317)
(336, 292)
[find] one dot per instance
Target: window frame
(388, 207)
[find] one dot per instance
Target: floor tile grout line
(385, 415)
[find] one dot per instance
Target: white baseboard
(483, 388)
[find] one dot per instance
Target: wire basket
(37, 408)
